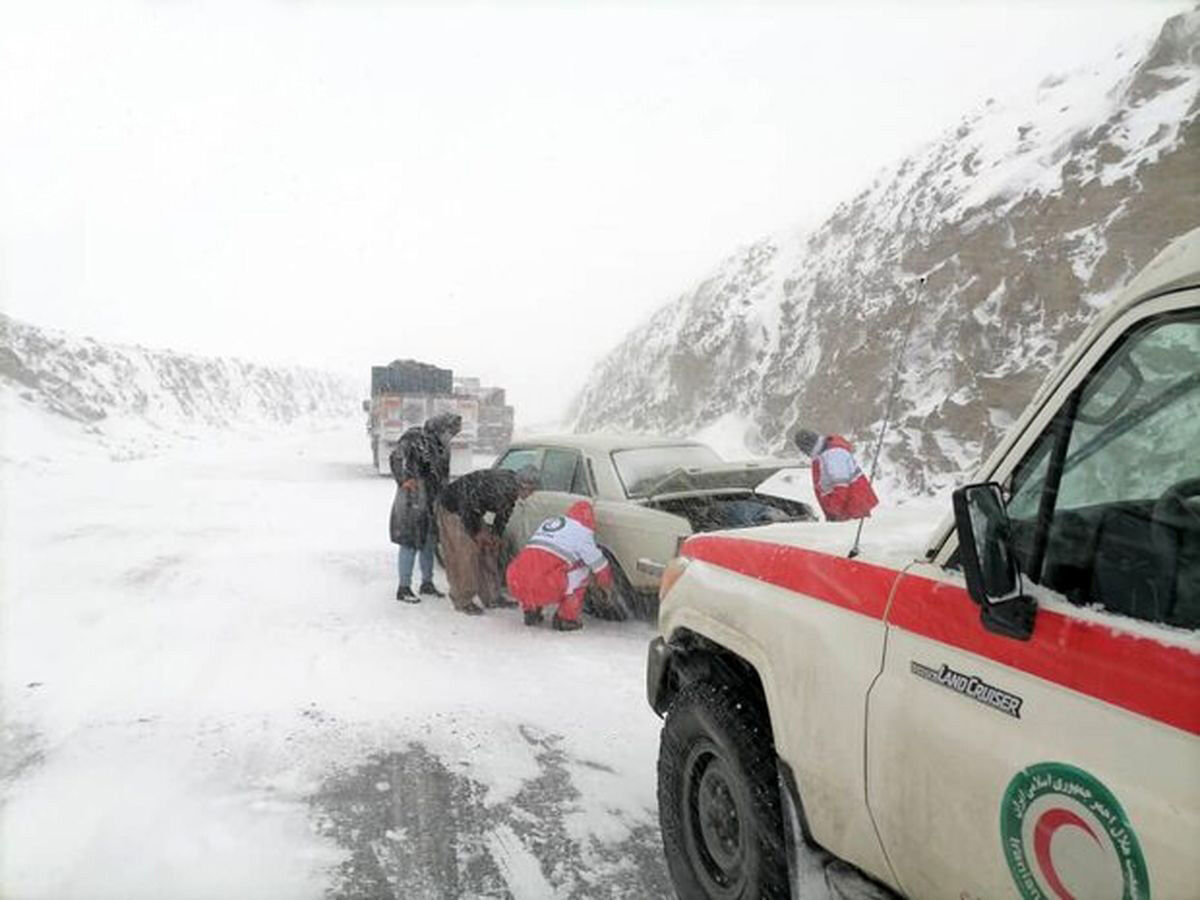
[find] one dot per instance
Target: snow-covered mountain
(1025, 218)
(130, 399)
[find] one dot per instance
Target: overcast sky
(504, 189)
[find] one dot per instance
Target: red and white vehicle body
(1055, 754)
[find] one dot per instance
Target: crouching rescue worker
(421, 466)
(470, 546)
(555, 565)
(842, 489)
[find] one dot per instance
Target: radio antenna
(887, 415)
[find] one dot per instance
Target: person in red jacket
(555, 565)
(842, 489)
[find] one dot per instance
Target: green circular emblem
(1065, 837)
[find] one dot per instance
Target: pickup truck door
(1063, 766)
(1066, 765)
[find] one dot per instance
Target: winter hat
(530, 477)
(581, 512)
(804, 439)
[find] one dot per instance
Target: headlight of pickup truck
(670, 575)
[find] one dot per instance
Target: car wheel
(718, 798)
(624, 602)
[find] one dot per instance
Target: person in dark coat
(421, 466)
(471, 546)
(841, 486)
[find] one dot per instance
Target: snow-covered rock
(58, 390)
(1024, 218)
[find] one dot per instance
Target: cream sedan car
(649, 494)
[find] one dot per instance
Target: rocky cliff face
(1024, 220)
(98, 385)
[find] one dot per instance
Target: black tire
(718, 798)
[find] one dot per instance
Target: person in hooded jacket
(842, 489)
(421, 466)
(555, 565)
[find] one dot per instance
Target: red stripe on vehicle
(1136, 673)
(849, 583)
(1140, 674)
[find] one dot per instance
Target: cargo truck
(406, 392)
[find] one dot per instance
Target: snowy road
(209, 691)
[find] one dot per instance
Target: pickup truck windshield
(1123, 529)
(640, 469)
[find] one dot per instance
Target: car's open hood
(716, 479)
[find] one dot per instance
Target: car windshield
(641, 469)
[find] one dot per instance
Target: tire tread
(746, 729)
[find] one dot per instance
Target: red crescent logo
(1049, 822)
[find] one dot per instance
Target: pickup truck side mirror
(990, 567)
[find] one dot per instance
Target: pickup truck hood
(732, 476)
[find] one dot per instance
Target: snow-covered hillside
(1025, 218)
(126, 400)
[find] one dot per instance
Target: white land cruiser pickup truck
(1014, 713)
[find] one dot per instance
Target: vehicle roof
(601, 442)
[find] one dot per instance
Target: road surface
(210, 691)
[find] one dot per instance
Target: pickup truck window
(1125, 528)
(1030, 479)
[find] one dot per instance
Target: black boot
(428, 589)
(533, 617)
(405, 595)
(566, 624)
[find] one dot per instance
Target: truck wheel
(718, 798)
